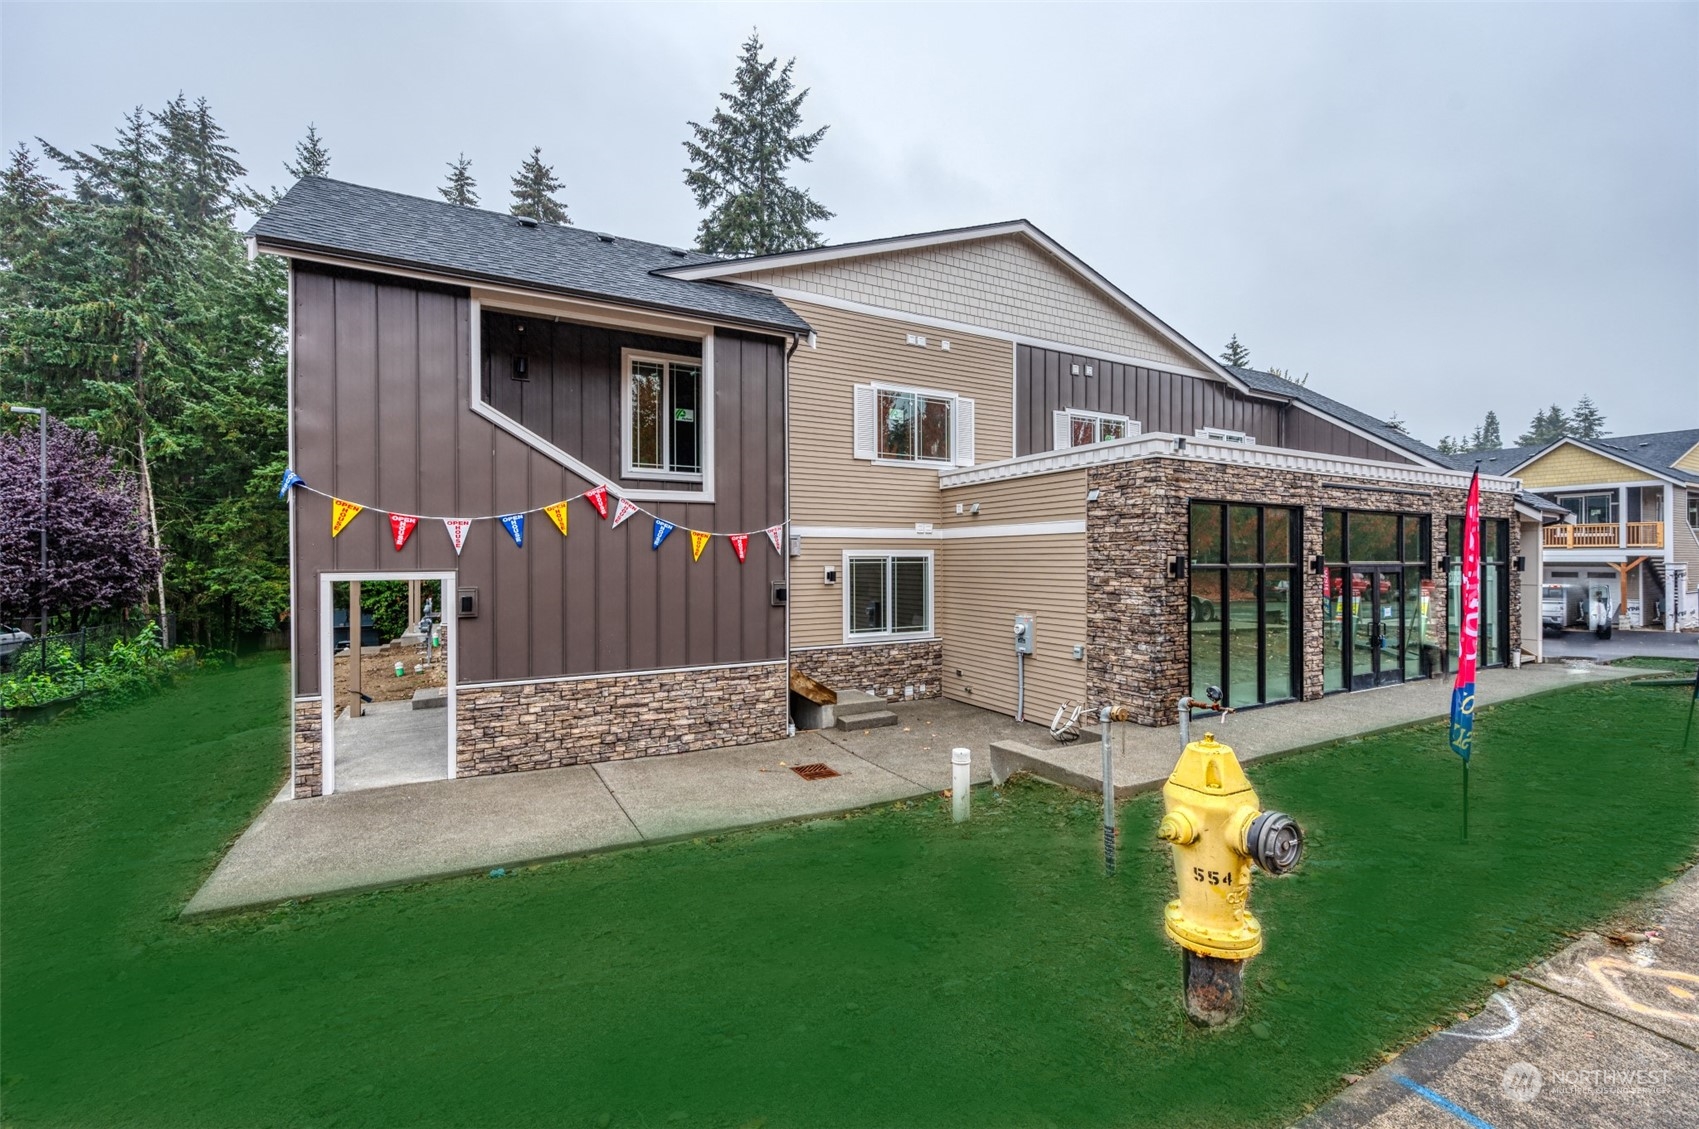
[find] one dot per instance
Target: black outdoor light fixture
(1177, 567)
(1318, 564)
(1521, 564)
(519, 365)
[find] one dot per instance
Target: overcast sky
(1432, 209)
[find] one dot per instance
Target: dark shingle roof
(1363, 421)
(1655, 452)
(371, 225)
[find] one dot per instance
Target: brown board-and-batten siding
(382, 394)
(1047, 381)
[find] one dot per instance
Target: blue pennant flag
(290, 478)
(515, 524)
(662, 528)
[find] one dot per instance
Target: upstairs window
(1223, 435)
(912, 425)
(663, 417)
(1075, 428)
(1592, 509)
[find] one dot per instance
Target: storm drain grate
(814, 771)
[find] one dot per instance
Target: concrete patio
(363, 840)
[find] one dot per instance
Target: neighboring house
(983, 427)
(448, 362)
(1634, 531)
(939, 433)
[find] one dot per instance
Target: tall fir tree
(461, 188)
(738, 164)
(145, 322)
(1489, 437)
(1586, 421)
(534, 188)
(1546, 427)
(311, 156)
(1235, 354)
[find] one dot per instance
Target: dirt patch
(377, 672)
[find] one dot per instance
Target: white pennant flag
(624, 510)
(776, 534)
(457, 527)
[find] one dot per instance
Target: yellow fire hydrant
(1218, 830)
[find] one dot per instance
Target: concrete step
(852, 699)
(430, 698)
(877, 719)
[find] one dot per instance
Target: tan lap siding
(829, 485)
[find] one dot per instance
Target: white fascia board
(1066, 257)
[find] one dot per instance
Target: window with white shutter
(1071, 427)
(912, 425)
(964, 431)
(865, 447)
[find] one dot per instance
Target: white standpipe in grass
(961, 782)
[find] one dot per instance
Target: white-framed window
(887, 595)
(1223, 435)
(665, 408)
(902, 426)
(1072, 427)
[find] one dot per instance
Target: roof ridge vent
(526, 221)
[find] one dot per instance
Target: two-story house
(1635, 528)
(865, 461)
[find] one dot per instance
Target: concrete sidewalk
(1143, 757)
(1604, 1033)
(386, 836)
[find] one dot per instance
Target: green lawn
(888, 969)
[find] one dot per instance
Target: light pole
(41, 414)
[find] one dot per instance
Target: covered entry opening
(1379, 592)
(387, 664)
(1243, 602)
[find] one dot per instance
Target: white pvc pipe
(961, 782)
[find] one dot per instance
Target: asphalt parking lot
(1622, 645)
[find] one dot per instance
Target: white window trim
(891, 636)
(1133, 426)
(572, 462)
(704, 416)
(955, 399)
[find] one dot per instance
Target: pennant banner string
(300, 485)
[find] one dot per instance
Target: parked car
(12, 639)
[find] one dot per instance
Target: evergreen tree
(738, 162)
(311, 156)
(1489, 438)
(461, 188)
(1449, 446)
(534, 188)
(1586, 421)
(26, 205)
(1286, 375)
(1546, 427)
(1235, 354)
(144, 322)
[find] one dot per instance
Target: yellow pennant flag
(557, 514)
(341, 513)
(697, 541)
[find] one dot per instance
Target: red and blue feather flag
(1469, 635)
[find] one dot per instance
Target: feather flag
(598, 498)
(515, 526)
(341, 513)
(776, 534)
(1469, 632)
(740, 545)
(662, 528)
(623, 511)
(401, 528)
(457, 527)
(698, 540)
(290, 478)
(557, 514)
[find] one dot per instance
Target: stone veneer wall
(618, 717)
(882, 669)
(1136, 628)
(309, 748)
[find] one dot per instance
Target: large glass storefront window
(1244, 601)
(1375, 615)
(1495, 590)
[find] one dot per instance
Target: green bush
(127, 670)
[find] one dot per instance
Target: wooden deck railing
(1606, 535)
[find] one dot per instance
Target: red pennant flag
(740, 545)
(598, 498)
(401, 525)
(776, 534)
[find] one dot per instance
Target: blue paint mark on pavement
(1441, 1101)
